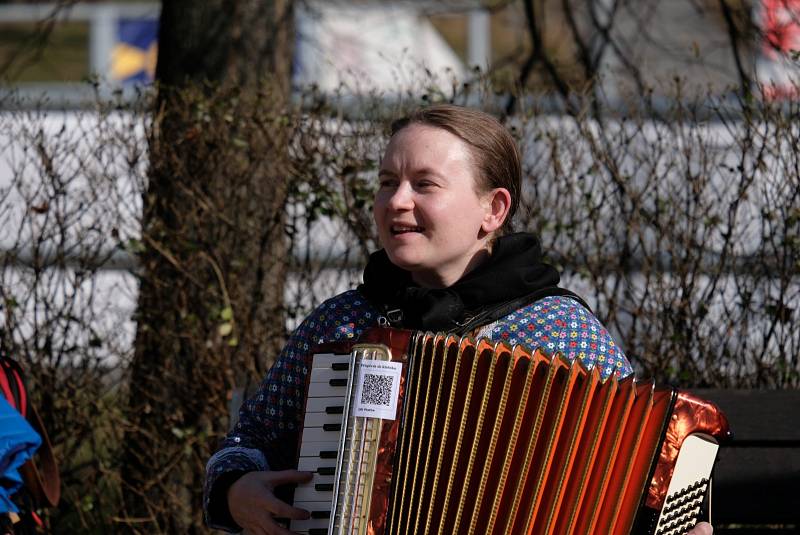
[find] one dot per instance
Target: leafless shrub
(68, 217)
(684, 232)
(681, 233)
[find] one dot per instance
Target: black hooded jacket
(513, 276)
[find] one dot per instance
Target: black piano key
(331, 427)
(320, 514)
(323, 487)
(327, 455)
(334, 410)
(326, 471)
(340, 366)
(338, 382)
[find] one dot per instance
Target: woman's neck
(446, 278)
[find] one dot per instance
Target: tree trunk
(213, 254)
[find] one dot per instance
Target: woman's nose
(402, 198)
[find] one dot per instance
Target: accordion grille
(502, 440)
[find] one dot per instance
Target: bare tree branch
(735, 42)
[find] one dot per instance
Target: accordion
(428, 433)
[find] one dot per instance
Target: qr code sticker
(377, 390)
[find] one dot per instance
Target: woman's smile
(406, 229)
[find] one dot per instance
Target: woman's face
(430, 219)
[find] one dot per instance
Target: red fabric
(9, 371)
(23, 399)
(6, 387)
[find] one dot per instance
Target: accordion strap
(498, 311)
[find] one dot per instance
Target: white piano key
(325, 360)
(311, 494)
(312, 523)
(325, 390)
(312, 463)
(319, 404)
(311, 449)
(323, 375)
(317, 434)
(319, 480)
(313, 506)
(315, 480)
(318, 419)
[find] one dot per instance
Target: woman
(449, 185)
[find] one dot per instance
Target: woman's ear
(498, 204)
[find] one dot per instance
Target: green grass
(63, 57)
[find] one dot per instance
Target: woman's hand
(702, 528)
(254, 506)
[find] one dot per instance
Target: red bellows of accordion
(494, 439)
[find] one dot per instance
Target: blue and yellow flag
(133, 59)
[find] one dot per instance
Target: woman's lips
(404, 229)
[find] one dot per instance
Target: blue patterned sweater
(266, 433)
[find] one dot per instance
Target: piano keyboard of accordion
(493, 439)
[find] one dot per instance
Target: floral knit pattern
(269, 421)
(559, 324)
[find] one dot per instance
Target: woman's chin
(406, 262)
(407, 258)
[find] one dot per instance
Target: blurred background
(182, 182)
(57, 47)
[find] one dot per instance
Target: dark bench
(756, 485)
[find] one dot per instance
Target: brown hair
(493, 150)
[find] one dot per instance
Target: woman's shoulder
(561, 324)
(341, 317)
